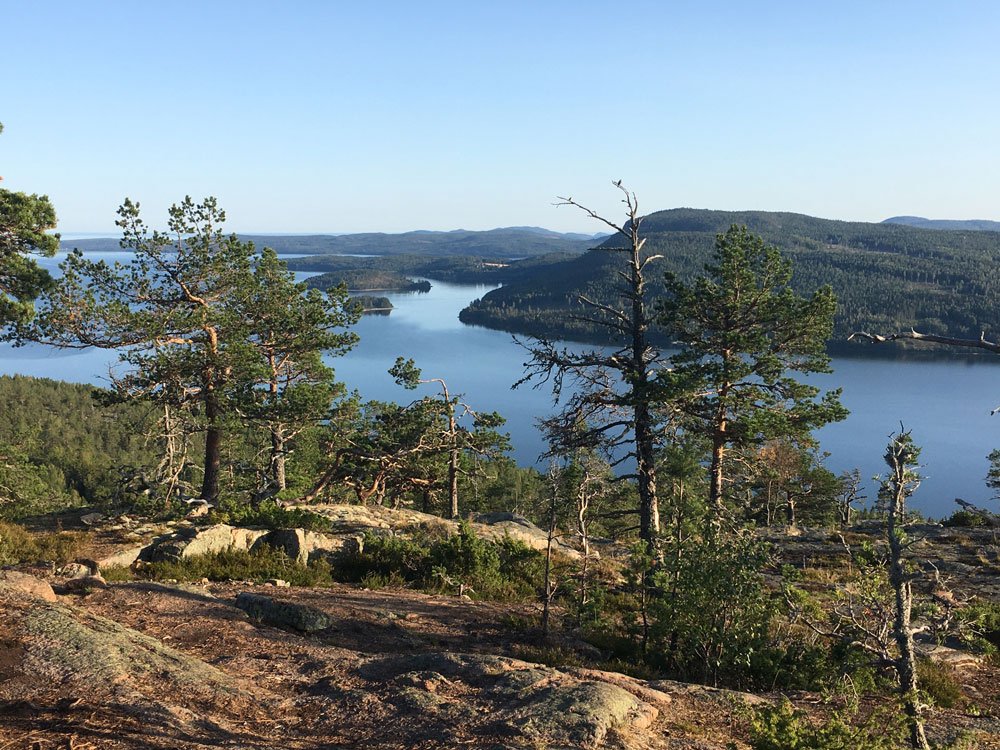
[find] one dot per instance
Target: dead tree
(901, 456)
(611, 392)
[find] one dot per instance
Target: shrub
(712, 610)
(783, 727)
(19, 546)
(940, 683)
(383, 557)
(269, 515)
(505, 570)
(238, 565)
(964, 518)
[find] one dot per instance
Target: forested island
(368, 280)
(372, 304)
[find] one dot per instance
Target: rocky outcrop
(191, 542)
(349, 524)
(507, 697)
(305, 546)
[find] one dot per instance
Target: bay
(945, 402)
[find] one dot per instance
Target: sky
(392, 116)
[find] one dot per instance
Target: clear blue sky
(390, 116)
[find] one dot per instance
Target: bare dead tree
(549, 587)
(873, 612)
(850, 493)
(901, 456)
(610, 402)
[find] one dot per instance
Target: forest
(886, 277)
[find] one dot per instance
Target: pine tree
(741, 331)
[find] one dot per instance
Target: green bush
(712, 611)
(963, 518)
(505, 570)
(383, 557)
(238, 565)
(940, 683)
(783, 727)
(269, 515)
(20, 547)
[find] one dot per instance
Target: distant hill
(973, 225)
(887, 276)
(510, 242)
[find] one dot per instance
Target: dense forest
(508, 242)
(456, 269)
(885, 276)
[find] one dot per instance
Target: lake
(946, 403)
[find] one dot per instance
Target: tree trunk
(649, 510)
(715, 491)
(277, 431)
(213, 447)
(906, 663)
(453, 472)
(278, 457)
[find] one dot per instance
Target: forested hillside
(885, 276)
(61, 445)
(510, 242)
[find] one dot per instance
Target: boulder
(22, 584)
(122, 559)
(193, 542)
(269, 611)
(303, 545)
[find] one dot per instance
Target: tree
(901, 456)
(741, 331)
(454, 439)
(24, 221)
(793, 477)
(290, 329)
(174, 312)
(610, 392)
(993, 475)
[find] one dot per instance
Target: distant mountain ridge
(974, 225)
(887, 276)
(505, 242)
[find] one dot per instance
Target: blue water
(946, 403)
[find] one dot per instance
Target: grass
(233, 565)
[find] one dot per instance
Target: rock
(123, 559)
(264, 609)
(192, 542)
(278, 583)
(23, 584)
(66, 644)
(302, 545)
(74, 570)
(580, 715)
(544, 705)
(672, 687)
(198, 510)
(91, 519)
